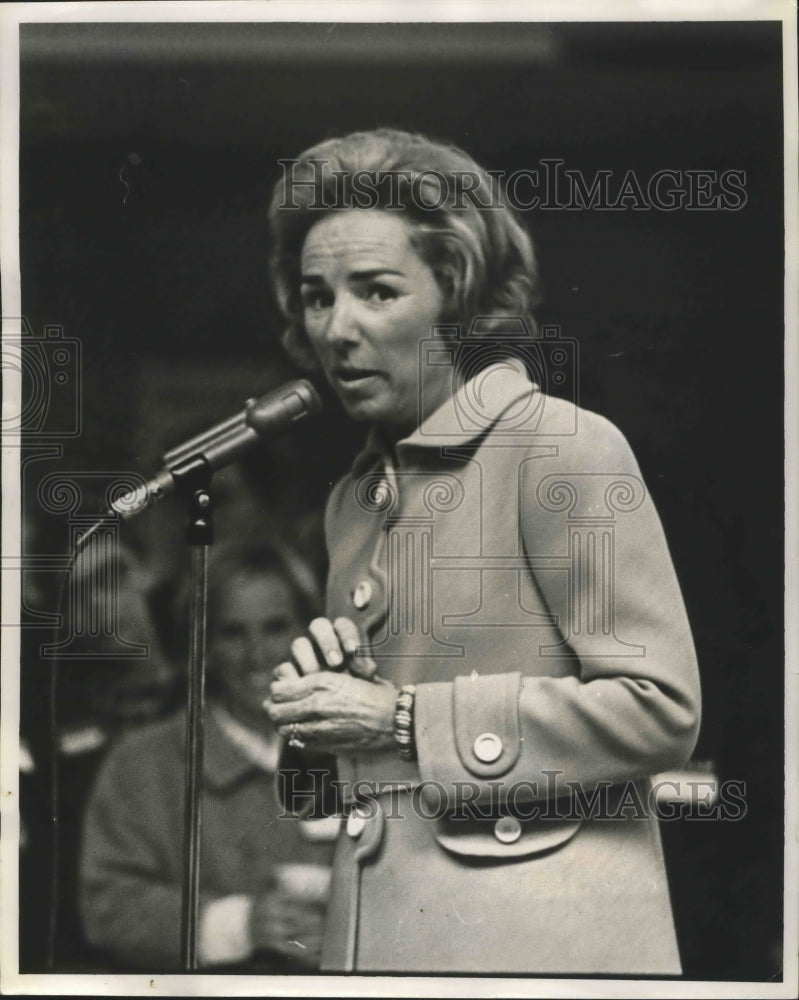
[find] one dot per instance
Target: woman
(263, 877)
(506, 657)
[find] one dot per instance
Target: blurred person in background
(263, 876)
(115, 678)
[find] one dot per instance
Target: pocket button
(362, 595)
(487, 747)
(356, 821)
(507, 830)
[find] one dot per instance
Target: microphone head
(283, 406)
(136, 500)
(131, 503)
(307, 392)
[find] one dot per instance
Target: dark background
(147, 157)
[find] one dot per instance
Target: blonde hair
(480, 254)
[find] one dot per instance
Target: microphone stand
(193, 484)
(188, 471)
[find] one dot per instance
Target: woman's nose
(343, 326)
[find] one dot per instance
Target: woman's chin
(385, 413)
(364, 410)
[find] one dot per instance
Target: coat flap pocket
(487, 731)
(504, 836)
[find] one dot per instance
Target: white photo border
(15, 14)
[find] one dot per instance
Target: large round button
(487, 747)
(356, 821)
(362, 595)
(507, 830)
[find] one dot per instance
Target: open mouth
(349, 376)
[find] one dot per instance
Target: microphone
(261, 418)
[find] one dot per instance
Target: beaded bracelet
(403, 723)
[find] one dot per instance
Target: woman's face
(368, 300)
(251, 632)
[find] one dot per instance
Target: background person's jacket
(132, 857)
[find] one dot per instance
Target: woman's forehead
(355, 236)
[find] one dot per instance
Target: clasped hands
(330, 698)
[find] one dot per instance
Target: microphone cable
(54, 746)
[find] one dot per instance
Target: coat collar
(224, 764)
(462, 419)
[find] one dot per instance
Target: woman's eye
(380, 293)
(316, 300)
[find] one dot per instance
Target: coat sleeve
(130, 896)
(630, 705)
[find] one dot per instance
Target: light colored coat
(510, 564)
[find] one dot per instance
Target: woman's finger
(285, 672)
(328, 734)
(364, 666)
(292, 688)
(348, 636)
(284, 713)
(305, 656)
(328, 642)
